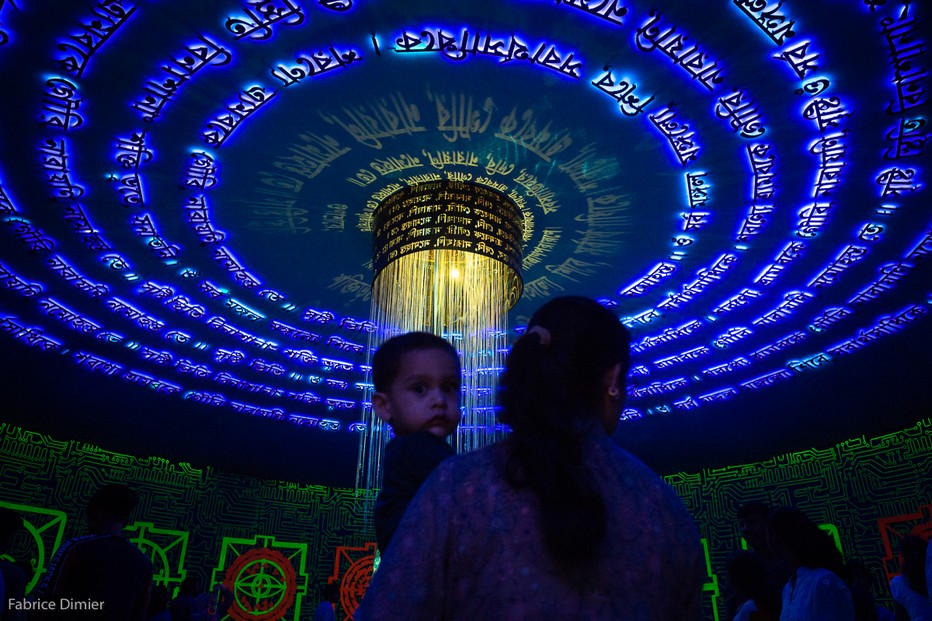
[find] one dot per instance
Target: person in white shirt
(815, 591)
(909, 589)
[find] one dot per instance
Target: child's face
(425, 395)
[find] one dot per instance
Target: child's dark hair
(550, 394)
(10, 522)
(115, 500)
(749, 509)
(387, 359)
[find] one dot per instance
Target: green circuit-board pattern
(866, 492)
(276, 543)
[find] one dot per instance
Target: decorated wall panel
(230, 528)
(273, 543)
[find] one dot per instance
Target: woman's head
(797, 539)
(913, 550)
(573, 358)
(562, 379)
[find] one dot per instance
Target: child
(417, 391)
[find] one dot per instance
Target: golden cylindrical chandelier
(447, 260)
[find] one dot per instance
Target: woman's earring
(614, 393)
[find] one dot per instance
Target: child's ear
(381, 406)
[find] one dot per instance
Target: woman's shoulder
(475, 463)
(608, 461)
(626, 469)
(471, 479)
(820, 577)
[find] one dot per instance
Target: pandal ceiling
(187, 188)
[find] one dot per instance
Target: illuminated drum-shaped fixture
(447, 260)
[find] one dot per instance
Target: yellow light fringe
(464, 297)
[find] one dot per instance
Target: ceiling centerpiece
(447, 260)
